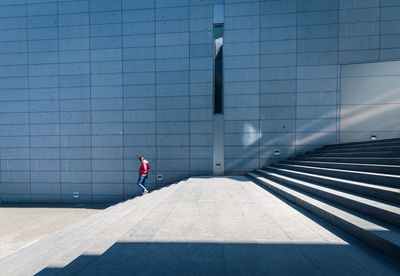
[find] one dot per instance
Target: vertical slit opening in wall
(218, 95)
(218, 68)
(218, 33)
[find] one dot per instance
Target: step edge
(397, 177)
(331, 193)
(343, 163)
(376, 187)
(374, 241)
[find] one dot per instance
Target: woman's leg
(140, 183)
(144, 184)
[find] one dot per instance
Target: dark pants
(141, 182)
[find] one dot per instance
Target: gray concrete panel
(92, 84)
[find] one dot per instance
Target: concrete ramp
(201, 226)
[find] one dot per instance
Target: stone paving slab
(22, 225)
(229, 226)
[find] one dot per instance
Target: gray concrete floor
(203, 226)
(229, 226)
(23, 225)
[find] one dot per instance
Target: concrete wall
(86, 86)
(285, 71)
(370, 101)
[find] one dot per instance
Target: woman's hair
(141, 158)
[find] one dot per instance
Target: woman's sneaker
(145, 192)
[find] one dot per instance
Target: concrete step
(364, 160)
(119, 232)
(372, 143)
(355, 154)
(375, 168)
(113, 234)
(375, 191)
(390, 148)
(387, 180)
(378, 210)
(68, 243)
(378, 235)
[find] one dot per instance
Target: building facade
(86, 86)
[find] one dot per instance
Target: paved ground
(25, 224)
(229, 226)
(204, 226)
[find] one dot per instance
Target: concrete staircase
(90, 236)
(353, 186)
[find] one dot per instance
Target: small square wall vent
(160, 177)
(373, 137)
(277, 152)
(75, 194)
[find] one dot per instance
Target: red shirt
(144, 168)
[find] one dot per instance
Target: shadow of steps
(377, 235)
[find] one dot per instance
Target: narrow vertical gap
(218, 68)
(218, 96)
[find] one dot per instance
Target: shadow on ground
(233, 258)
(174, 258)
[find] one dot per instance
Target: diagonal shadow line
(213, 258)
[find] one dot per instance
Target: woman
(143, 174)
